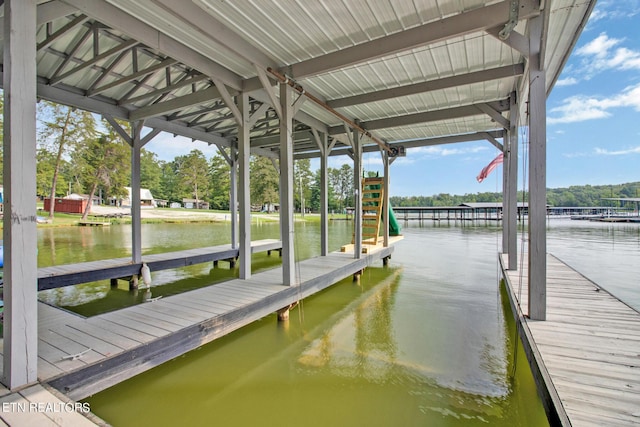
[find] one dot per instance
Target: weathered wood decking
(81, 356)
(586, 355)
(39, 406)
(72, 274)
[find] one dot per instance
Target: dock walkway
(72, 274)
(80, 356)
(586, 356)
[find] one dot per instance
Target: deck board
(587, 351)
(133, 339)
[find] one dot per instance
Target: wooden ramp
(72, 274)
(81, 356)
(586, 355)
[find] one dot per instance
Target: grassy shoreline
(165, 216)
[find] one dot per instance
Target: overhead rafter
(444, 83)
(152, 69)
(425, 142)
(176, 104)
(78, 20)
(155, 39)
(457, 25)
(427, 116)
(113, 51)
(188, 79)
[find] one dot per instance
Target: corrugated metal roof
(167, 61)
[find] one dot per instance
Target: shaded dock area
(72, 274)
(80, 356)
(586, 356)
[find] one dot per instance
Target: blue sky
(593, 122)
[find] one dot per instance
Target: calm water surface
(422, 342)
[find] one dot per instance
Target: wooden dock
(73, 274)
(80, 356)
(40, 406)
(586, 356)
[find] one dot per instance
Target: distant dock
(585, 357)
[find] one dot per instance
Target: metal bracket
(513, 20)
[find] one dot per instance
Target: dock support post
(385, 202)
(510, 210)
(233, 195)
(20, 359)
(357, 183)
(321, 141)
(286, 184)
(244, 190)
(114, 283)
(537, 174)
(283, 313)
(133, 282)
(136, 221)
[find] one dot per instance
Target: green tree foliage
(150, 172)
(316, 188)
(169, 183)
(302, 178)
(64, 129)
(219, 172)
(103, 162)
(193, 170)
(264, 181)
(341, 181)
(45, 166)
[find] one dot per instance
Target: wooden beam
(439, 84)
(176, 104)
(111, 52)
(537, 176)
(511, 163)
(457, 25)
(425, 117)
(136, 221)
(357, 191)
(152, 69)
(286, 185)
(20, 349)
(78, 20)
(244, 190)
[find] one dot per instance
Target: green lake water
(424, 341)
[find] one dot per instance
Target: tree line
(78, 153)
(574, 196)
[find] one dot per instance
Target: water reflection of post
(374, 333)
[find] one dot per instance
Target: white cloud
(602, 54)
(614, 9)
(442, 151)
(580, 107)
(569, 81)
(605, 152)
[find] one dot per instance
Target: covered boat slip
(284, 80)
(81, 356)
(585, 356)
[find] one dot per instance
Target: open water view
(428, 340)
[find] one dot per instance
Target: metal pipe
(296, 86)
